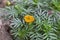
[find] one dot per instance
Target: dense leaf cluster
(46, 25)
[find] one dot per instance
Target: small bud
(50, 12)
(8, 3)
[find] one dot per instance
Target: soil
(4, 26)
(4, 35)
(2, 3)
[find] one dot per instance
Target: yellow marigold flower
(29, 18)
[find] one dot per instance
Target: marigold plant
(34, 20)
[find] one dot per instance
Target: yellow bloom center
(29, 18)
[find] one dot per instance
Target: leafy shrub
(45, 25)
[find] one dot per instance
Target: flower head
(28, 18)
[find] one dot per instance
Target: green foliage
(45, 26)
(55, 4)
